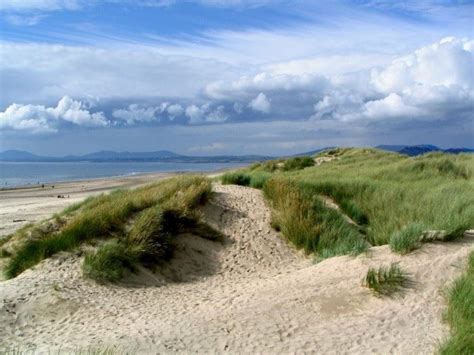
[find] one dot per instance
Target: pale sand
(251, 294)
(32, 204)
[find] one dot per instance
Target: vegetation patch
(306, 221)
(162, 208)
(386, 280)
(255, 179)
(109, 262)
(460, 314)
(297, 163)
(407, 239)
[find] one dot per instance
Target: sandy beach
(20, 206)
(251, 293)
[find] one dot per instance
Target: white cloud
(44, 72)
(218, 115)
(134, 114)
(24, 20)
(435, 82)
(260, 103)
(175, 110)
(42, 5)
(448, 62)
(38, 118)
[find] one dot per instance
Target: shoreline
(22, 205)
(114, 177)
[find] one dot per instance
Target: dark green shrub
(236, 179)
(297, 163)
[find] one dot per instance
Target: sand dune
(32, 204)
(252, 293)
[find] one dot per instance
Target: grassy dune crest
(394, 199)
(160, 209)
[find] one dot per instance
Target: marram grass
(105, 217)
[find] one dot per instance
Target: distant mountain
(111, 156)
(413, 150)
(167, 156)
(18, 155)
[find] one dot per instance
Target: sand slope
(251, 293)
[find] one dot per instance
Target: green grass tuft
(460, 314)
(386, 280)
(297, 163)
(236, 179)
(407, 239)
(109, 262)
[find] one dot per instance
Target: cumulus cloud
(38, 118)
(135, 114)
(260, 103)
(435, 82)
(175, 110)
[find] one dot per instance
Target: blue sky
(218, 77)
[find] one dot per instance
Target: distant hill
(413, 150)
(112, 156)
(18, 155)
(168, 156)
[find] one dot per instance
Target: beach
(23, 205)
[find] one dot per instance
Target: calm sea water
(20, 174)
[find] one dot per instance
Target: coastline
(29, 204)
(22, 205)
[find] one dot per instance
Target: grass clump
(306, 221)
(460, 314)
(109, 262)
(407, 239)
(297, 163)
(386, 280)
(236, 179)
(253, 179)
(105, 217)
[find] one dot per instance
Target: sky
(211, 77)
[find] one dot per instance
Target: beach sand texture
(252, 293)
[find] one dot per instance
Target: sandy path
(32, 204)
(253, 293)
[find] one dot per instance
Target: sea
(16, 174)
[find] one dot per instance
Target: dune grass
(109, 262)
(388, 191)
(105, 217)
(297, 163)
(460, 314)
(386, 280)
(255, 179)
(306, 221)
(407, 239)
(393, 198)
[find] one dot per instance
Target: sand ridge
(252, 293)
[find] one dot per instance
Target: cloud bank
(432, 86)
